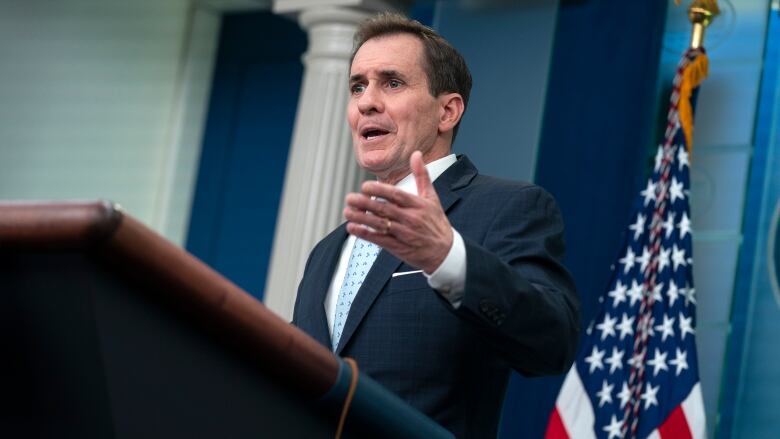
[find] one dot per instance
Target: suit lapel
(455, 177)
(322, 274)
(380, 272)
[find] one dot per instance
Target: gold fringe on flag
(694, 74)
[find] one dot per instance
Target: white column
(321, 168)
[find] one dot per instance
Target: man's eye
(357, 88)
(394, 83)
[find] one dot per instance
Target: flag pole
(701, 13)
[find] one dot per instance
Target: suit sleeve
(518, 293)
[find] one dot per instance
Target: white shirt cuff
(450, 278)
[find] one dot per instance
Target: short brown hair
(444, 66)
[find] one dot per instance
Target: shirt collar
(435, 169)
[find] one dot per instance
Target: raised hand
(414, 228)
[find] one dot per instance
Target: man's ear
(451, 110)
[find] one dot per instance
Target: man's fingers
(380, 224)
(375, 206)
(421, 177)
(386, 241)
(389, 193)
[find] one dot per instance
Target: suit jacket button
(491, 311)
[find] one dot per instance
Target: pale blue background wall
(508, 49)
(751, 383)
(105, 99)
(723, 144)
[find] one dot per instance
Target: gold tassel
(693, 75)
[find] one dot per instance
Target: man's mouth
(373, 133)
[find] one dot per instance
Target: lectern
(108, 330)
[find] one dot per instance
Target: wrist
(440, 254)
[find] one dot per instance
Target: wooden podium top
(102, 229)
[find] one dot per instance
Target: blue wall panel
(251, 115)
(507, 47)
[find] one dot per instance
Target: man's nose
(370, 101)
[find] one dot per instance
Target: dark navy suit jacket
(520, 308)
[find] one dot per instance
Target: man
(435, 289)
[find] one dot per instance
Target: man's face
(391, 111)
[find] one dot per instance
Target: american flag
(637, 374)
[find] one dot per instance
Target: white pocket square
(404, 273)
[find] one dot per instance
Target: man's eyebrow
(391, 74)
(358, 77)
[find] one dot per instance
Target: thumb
(421, 177)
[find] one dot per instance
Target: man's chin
(374, 159)
(376, 168)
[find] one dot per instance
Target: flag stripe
(555, 428)
(574, 408)
(693, 406)
(675, 426)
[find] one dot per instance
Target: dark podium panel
(107, 330)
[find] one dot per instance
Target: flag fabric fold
(637, 373)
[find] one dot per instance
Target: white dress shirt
(449, 279)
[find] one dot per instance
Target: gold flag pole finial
(700, 13)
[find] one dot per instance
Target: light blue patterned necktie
(363, 255)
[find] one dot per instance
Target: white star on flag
(635, 292)
(663, 259)
(669, 224)
(657, 292)
(605, 394)
(626, 326)
(688, 293)
(624, 395)
(613, 429)
(618, 295)
(628, 260)
(639, 226)
(650, 395)
(658, 362)
(672, 292)
(607, 327)
(595, 359)
(684, 225)
(615, 361)
(685, 326)
(682, 157)
(644, 260)
(649, 328)
(676, 190)
(635, 360)
(680, 361)
(678, 256)
(659, 157)
(666, 328)
(649, 192)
